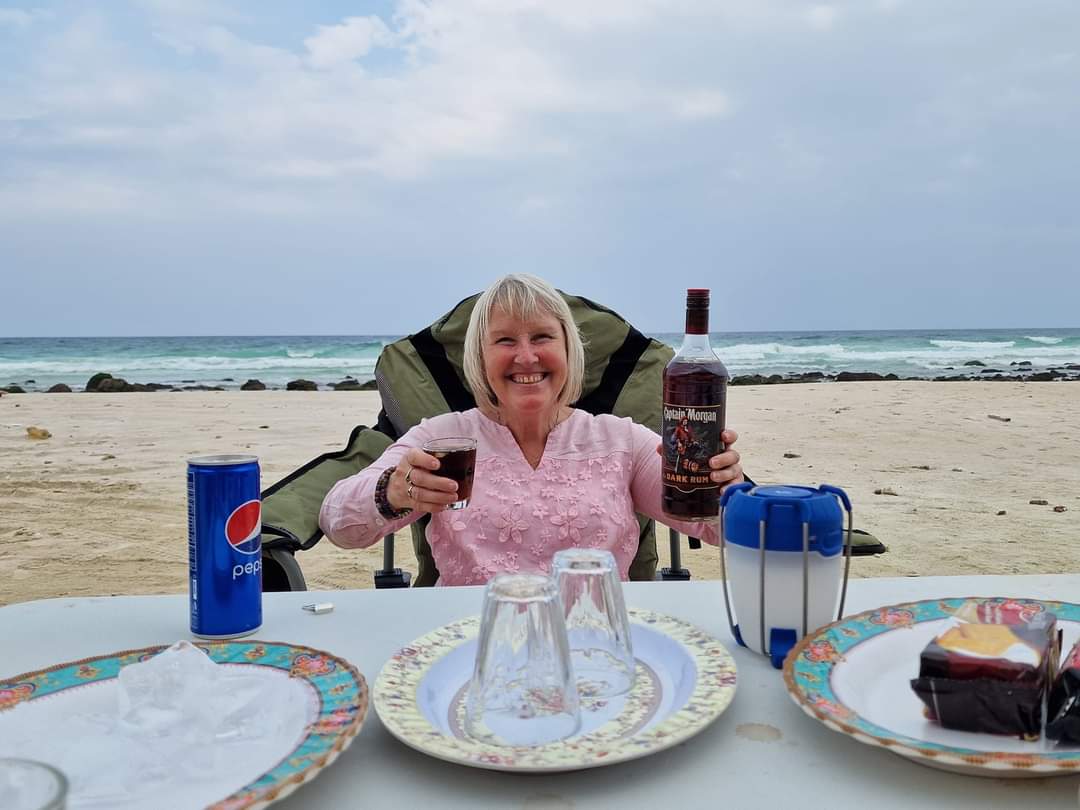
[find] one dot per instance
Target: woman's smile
(528, 379)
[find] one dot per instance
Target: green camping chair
(421, 376)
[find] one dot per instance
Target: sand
(99, 507)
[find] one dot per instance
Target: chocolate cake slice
(990, 676)
(1063, 711)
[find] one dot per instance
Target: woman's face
(525, 362)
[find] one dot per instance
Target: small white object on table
(762, 752)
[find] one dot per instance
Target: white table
(808, 767)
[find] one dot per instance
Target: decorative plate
(335, 694)
(854, 676)
(685, 679)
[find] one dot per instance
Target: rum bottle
(695, 396)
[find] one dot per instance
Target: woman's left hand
(725, 466)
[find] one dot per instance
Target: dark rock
(1073, 366)
(30, 382)
(1039, 502)
(301, 385)
(953, 378)
(346, 385)
(113, 385)
(858, 376)
(14, 389)
(187, 382)
(158, 387)
(253, 385)
(93, 383)
(974, 363)
(202, 388)
(227, 379)
(1021, 363)
(1044, 376)
(59, 388)
(991, 371)
(774, 379)
(748, 379)
(891, 377)
(1001, 511)
(809, 375)
(792, 455)
(351, 384)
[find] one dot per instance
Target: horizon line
(398, 335)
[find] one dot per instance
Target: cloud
(455, 80)
(701, 104)
(22, 18)
(335, 45)
(822, 17)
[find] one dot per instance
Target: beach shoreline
(107, 383)
(347, 362)
(99, 506)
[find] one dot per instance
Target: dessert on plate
(990, 676)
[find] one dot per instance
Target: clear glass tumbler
(26, 784)
(522, 691)
(597, 625)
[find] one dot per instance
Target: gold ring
(409, 492)
(408, 476)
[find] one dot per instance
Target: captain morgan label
(691, 436)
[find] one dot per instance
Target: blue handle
(839, 493)
(731, 490)
(800, 504)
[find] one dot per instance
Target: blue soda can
(224, 546)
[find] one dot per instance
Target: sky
(200, 167)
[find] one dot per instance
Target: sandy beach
(99, 507)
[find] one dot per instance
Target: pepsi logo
(243, 526)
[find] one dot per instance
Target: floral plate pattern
(341, 691)
(647, 722)
(813, 667)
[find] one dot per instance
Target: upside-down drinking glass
(597, 625)
(522, 691)
(26, 784)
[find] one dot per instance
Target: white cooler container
(784, 562)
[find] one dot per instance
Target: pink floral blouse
(595, 473)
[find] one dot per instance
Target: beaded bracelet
(382, 502)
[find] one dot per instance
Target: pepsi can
(224, 546)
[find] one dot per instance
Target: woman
(548, 476)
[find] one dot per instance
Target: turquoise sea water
(229, 361)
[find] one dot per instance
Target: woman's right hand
(414, 486)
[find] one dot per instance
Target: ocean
(36, 364)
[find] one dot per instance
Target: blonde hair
(521, 296)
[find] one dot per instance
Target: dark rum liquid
(695, 399)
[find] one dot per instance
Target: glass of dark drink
(457, 461)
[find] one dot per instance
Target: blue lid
(784, 510)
